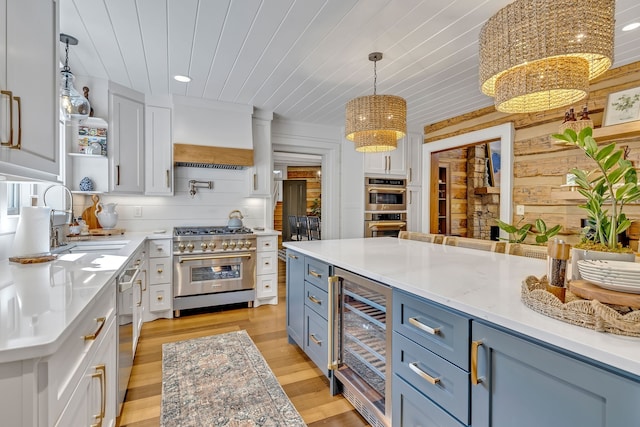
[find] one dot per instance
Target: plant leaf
(605, 151)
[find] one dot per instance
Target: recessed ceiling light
(182, 79)
(631, 26)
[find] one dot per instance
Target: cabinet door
(414, 159)
(414, 208)
(158, 152)
(127, 143)
(28, 56)
(295, 297)
(389, 162)
(537, 386)
(260, 175)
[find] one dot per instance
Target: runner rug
(221, 380)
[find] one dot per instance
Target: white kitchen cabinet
(93, 402)
(414, 208)
(260, 175)
(126, 151)
(138, 304)
(29, 82)
(414, 159)
(266, 271)
(159, 301)
(158, 151)
(389, 162)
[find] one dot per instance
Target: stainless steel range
(213, 266)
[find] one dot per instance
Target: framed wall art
(493, 155)
(622, 107)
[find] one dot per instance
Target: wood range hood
(203, 156)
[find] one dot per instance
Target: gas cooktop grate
(209, 231)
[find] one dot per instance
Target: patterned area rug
(221, 380)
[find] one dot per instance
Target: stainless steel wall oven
(385, 194)
(360, 344)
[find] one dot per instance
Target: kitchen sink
(105, 247)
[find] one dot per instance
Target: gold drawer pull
(314, 300)
(474, 362)
(93, 336)
(100, 373)
(292, 256)
(160, 271)
(415, 322)
(414, 367)
(160, 297)
(267, 286)
(315, 340)
(314, 274)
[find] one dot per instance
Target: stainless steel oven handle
(386, 190)
(207, 258)
(382, 224)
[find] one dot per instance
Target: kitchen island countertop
(484, 285)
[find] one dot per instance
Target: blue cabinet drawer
(432, 326)
(444, 383)
(315, 341)
(411, 408)
(317, 272)
(316, 299)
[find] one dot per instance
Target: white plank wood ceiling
(301, 59)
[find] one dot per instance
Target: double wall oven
(213, 266)
(385, 206)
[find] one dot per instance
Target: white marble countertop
(484, 285)
(39, 302)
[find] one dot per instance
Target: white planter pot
(578, 254)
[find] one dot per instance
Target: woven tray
(590, 314)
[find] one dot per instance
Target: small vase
(578, 254)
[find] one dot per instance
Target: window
(13, 199)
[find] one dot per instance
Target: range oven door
(384, 224)
(213, 273)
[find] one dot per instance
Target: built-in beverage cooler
(360, 344)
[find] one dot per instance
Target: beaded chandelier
(538, 55)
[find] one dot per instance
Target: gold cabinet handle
(168, 178)
(267, 286)
(160, 297)
(474, 362)
(117, 174)
(414, 367)
(410, 175)
(332, 362)
(9, 143)
(314, 300)
(292, 256)
(100, 373)
(255, 182)
(415, 322)
(315, 340)
(93, 336)
(314, 274)
(160, 271)
(19, 144)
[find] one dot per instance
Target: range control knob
(181, 247)
(190, 247)
(203, 246)
(212, 245)
(225, 245)
(240, 244)
(232, 244)
(247, 244)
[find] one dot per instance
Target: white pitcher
(107, 215)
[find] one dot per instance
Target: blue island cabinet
(531, 385)
(295, 297)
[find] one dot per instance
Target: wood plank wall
(540, 165)
(457, 162)
(312, 175)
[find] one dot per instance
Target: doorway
(294, 202)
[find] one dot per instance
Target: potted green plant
(607, 188)
(518, 234)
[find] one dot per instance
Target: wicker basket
(577, 311)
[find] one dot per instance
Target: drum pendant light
(538, 55)
(376, 122)
(73, 105)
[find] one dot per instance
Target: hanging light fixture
(376, 122)
(73, 104)
(538, 55)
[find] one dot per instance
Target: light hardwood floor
(305, 385)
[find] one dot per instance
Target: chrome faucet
(54, 233)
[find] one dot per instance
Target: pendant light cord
(375, 76)
(66, 57)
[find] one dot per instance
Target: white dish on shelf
(634, 283)
(609, 273)
(617, 266)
